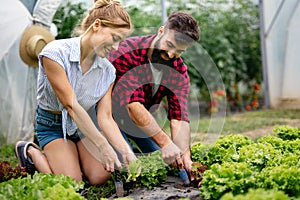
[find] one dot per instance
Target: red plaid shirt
(134, 79)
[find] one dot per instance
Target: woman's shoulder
(63, 44)
(62, 47)
(61, 50)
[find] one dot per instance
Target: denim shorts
(48, 127)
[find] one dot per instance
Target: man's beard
(156, 56)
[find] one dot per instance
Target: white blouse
(89, 87)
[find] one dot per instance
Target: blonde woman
(74, 76)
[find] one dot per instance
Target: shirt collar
(97, 62)
(75, 49)
(75, 53)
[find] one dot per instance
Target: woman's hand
(108, 157)
(127, 157)
(133, 165)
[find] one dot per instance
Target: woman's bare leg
(63, 158)
(91, 167)
(39, 159)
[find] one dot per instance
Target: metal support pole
(163, 11)
(263, 54)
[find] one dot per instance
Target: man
(148, 69)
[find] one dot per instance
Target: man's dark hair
(184, 24)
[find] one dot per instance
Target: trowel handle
(119, 184)
(184, 177)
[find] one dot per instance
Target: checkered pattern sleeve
(178, 97)
(128, 89)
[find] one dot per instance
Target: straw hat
(32, 42)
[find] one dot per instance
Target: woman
(74, 76)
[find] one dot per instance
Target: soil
(171, 189)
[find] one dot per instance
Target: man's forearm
(181, 134)
(146, 122)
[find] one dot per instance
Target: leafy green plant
(268, 163)
(293, 146)
(8, 172)
(238, 140)
(286, 132)
(226, 148)
(226, 177)
(41, 186)
(7, 154)
(58, 191)
(257, 194)
(197, 172)
(134, 170)
(153, 171)
(106, 190)
(276, 142)
(283, 177)
(199, 153)
(258, 155)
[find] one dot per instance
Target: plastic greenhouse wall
(280, 28)
(17, 80)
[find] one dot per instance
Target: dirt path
(253, 134)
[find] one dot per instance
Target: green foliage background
(229, 35)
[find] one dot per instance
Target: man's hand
(187, 162)
(181, 137)
(184, 162)
(170, 153)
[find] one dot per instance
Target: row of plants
(41, 186)
(234, 167)
(237, 165)
(148, 171)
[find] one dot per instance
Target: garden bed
(275, 157)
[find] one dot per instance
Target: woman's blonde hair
(110, 12)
